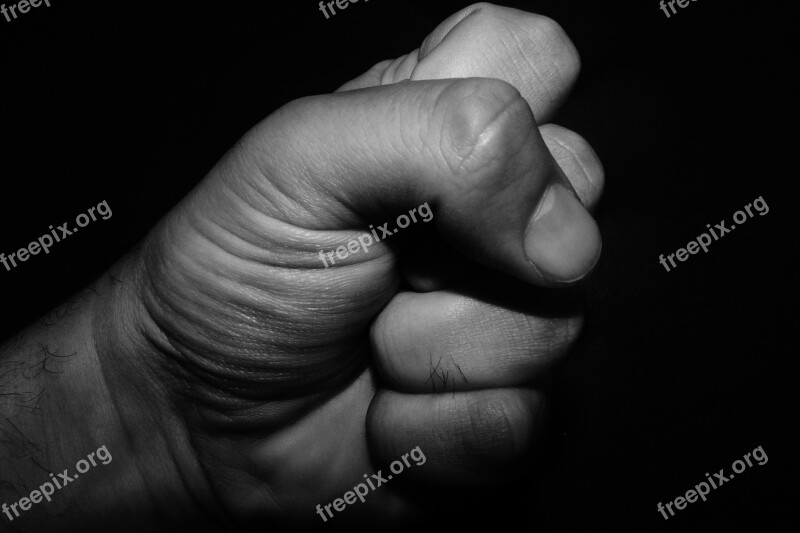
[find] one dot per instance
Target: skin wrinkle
(479, 443)
(473, 10)
(377, 142)
(565, 50)
(536, 70)
(508, 54)
(200, 271)
(394, 71)
(350, 214)
(237, 400)
(214, 332)
(293, 210)
(489, 130)
(469, 309)
(513, 435)
(253, 341)
(188, 483)
(233, 372)
(590, 186)
(520, 337)
(549, 333)
(573, 155)
(274, 262)
(424, 120)
(147, 481)
(255, 212)
(168, 320)
(371, 78)
(550, 336)
(303, 174)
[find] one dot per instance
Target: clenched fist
(246, 379)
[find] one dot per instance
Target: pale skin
(238, 382)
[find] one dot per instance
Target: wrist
(165, 477)
(86, 439)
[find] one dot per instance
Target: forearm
(76, 402)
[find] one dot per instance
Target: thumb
(470, 148)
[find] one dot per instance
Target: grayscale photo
(394, 265)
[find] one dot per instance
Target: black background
(677, 374)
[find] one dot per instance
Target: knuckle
(549, 38)
(535, 36)
(550, 31)
(487, 120)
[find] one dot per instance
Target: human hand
(294, 379)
